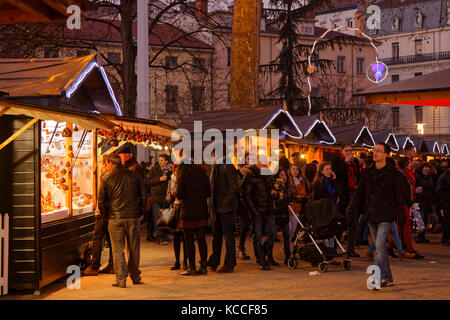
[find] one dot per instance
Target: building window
(360, 65)
(171, 62)
(360, 101)
(396, 117)
(171, 99)
(395, 50)
(418, 46)
(418, 74)
(229, 93)
(349, 22)
(340, 97)
(395, 78)
(419, 114)
(51, 53)
(335, 24)
(198, 98)
(396, 24)
(418, 19)
(341, 64)
(83, 53)
(228, 56)
(114, 57)
(198, 65)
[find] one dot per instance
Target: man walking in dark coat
(346, 168)
(443, 191)
(224, 203)
(381, 194)
(257, 197)
(157, 181)
(121, 197)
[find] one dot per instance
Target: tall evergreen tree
(292, 62)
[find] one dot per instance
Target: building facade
(415, 40)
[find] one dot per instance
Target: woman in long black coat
(193, 190)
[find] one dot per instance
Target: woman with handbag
(193, 190)
(174, 221)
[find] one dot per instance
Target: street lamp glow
(420, 128)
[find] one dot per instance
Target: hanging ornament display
(67, 132)
(136, 137)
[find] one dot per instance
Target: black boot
(391, 253)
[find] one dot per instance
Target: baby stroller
(319, 221)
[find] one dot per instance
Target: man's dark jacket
(133, 165)
(158, 189)
(425, 199)
(340, 168)
(121, 194)
(224, 188)
(256, 192)
(381, 194)
(443, 189)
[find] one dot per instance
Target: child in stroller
(318, 222)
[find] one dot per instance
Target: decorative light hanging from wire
(376, 73)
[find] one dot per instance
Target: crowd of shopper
(373, 191)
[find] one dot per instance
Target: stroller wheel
(292, 263)
(323, 267)
(347, 264)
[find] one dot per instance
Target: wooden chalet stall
(50, 109)
(445, 149)
(403, 141)
(317, 139)
(245, 119)
(385, 136)
(39, 11)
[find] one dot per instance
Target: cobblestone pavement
(428, 278)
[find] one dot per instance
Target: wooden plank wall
(19, 163)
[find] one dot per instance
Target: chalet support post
(69, 168)
(18, 133)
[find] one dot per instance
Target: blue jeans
(395, 238)
(380, 232)
(155, 210)
(366, 232)
(286, 230)
(262, 250)
(224, 228)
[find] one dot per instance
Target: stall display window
(82, 171)
(54, 188)
(67, 175)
